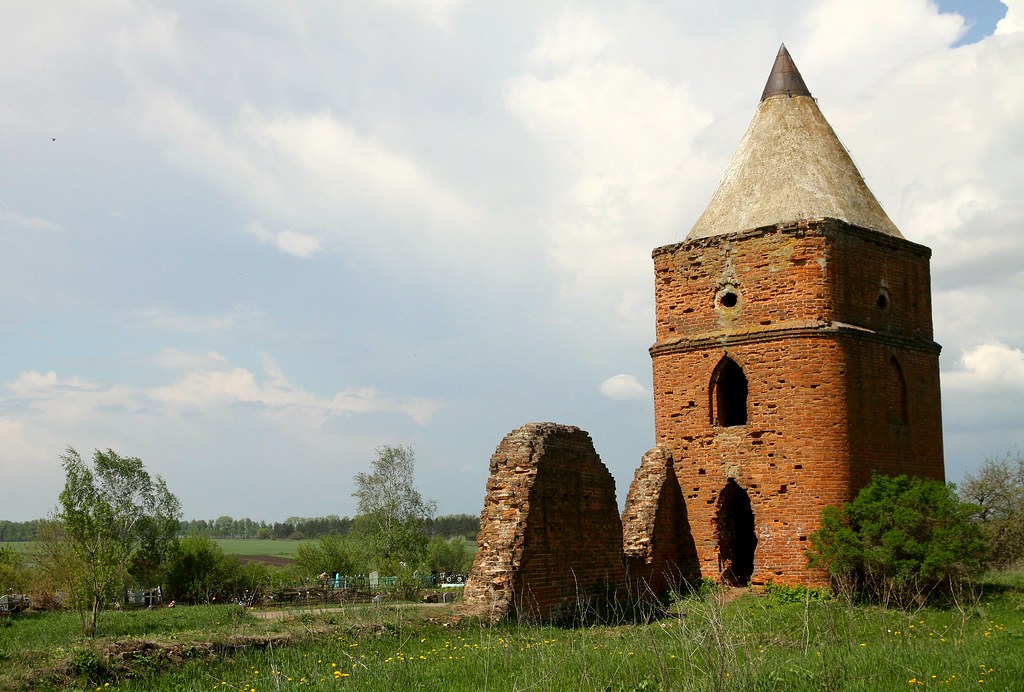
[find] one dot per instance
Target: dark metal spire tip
(785, 79)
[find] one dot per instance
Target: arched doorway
(736, 538)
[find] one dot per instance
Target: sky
(250, 243)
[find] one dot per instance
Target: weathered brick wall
(550, 541)
(792, 457)
(817, 346)
(656, 537)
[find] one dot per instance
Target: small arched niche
(895, 393)
(728, 394)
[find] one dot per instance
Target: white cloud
(165, 318)
(289, 242)
(204, 389)
(574, 36)
(181, 360)
(308, 170)
(207, 389)
(625, 142)
(13, 220)
(62, 401)
(34, 384)
(623, 387)
(991, 367)
(441, 13)
(853, 43)
(1013, 22)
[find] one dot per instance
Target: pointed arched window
(728, 394)
(895, 393)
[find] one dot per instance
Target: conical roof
(789, 166)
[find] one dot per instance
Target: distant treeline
(446, 526)
(19, 530)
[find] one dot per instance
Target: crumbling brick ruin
(794, 357)
(656, 538)
(550, 541)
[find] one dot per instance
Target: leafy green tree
(13, 571)
(899, 541)
(392, 513)
(448, 556)
(198, 571)
(329, 554)
(998, 492)
(113, 511)
(58, 570)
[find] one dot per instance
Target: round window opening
(729, 299)
(882, 302)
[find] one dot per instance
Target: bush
(13, 571)
(902, 540)
(450, 557)
(782, 594)
(330, 554)
(198, 571)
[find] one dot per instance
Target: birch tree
(112, 512)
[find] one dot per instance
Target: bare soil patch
(275, 560)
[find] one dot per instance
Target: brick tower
(794, 351)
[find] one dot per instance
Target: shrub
(330, 554)
(448, 556)
(198, 571)
(784, 593)
(13, 572)
(901, 540)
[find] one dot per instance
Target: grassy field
(751, 643)
(255, 546)
(21, 546)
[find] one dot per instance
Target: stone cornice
(821, 226)
(834, 330)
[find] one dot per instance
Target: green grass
(256, 546)
(22, 547)
(31, 643)
(751, 643)
(748, 644)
